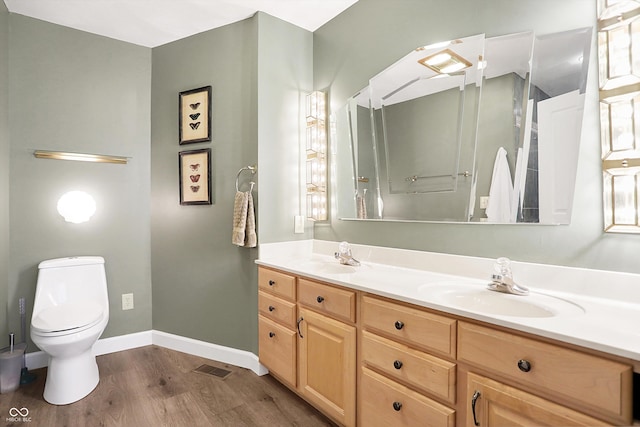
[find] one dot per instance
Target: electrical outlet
(484, 201)
(127, 301)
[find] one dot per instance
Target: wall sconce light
(316, 159)
(76, 206)
(619, 82)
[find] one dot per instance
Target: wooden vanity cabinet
(277, 345)
(542, 376)
(307, 339)
(372, 361)
(327, 349)
(408, 369)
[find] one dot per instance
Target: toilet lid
(67, 316)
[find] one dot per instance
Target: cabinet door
(327, 365)
(494, 404)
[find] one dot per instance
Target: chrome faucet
(502, 279)
(344, 255)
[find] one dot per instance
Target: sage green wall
(344, 59)
(204, 287)
(74, 91)
(285, 76)
(4, 173)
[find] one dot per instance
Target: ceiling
(153, 23)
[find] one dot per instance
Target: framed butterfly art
(194, 115)
(194, 168)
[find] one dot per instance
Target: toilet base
(69, 379)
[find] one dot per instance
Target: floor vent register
(211, 370)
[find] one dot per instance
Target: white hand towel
(501, 190)
(240, 205)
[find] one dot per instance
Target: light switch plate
(298, 224)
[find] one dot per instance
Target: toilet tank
(72, 279)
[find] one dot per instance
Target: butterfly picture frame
(194, 117)
(194, 168)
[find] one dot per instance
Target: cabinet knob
(272, 282)
(397, 364)
(524, 365)
(272, 334)
(397, 406)
(399, 325)
(271, 308)
(320, 299)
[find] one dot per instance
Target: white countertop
(611, 301)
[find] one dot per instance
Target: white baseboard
(37, 360)
(123, 342)
(241, 358)
(232, 356)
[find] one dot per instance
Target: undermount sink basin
(477, 298)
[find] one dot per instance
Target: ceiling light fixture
(445, 62)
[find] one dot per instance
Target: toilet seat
(67, 318)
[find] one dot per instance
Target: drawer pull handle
(272, 282)
(474, 400)
(397, 364)
(399, 325)
(397, 406)
(272, 334)
(320, 299)
(524, 365)
(300, 333)
(271, 308)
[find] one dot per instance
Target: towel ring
(252, 169)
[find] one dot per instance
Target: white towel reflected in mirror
(501, 190)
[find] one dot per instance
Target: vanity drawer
(277, 349)
(277, 309)
(420, 370)
(602, 386)
(386, 403)
(410, 325)
(327, 299)
(277, 283)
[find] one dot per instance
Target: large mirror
(473, 129)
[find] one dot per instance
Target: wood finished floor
(154, 386)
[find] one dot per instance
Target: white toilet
(70, 312)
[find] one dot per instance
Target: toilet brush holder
(11, 367)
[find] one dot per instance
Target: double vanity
(412, 338)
